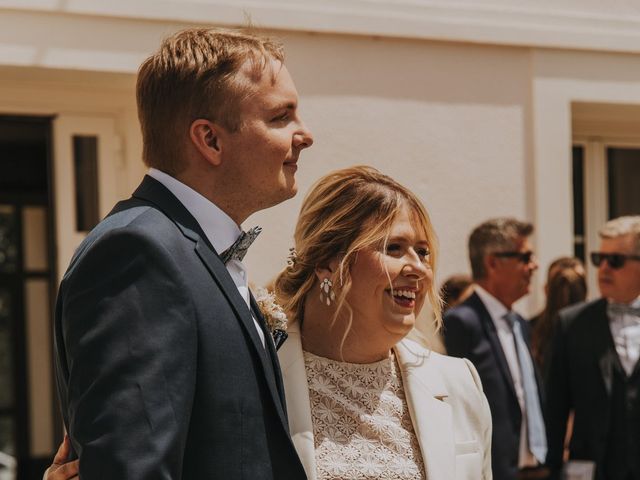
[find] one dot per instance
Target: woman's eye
(422, 252)
(393, 249)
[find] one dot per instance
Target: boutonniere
(273, 315)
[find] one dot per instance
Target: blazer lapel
(153, 191)
(432, 417)
(298, 402)
(492, 335)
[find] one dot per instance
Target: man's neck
(492, 289)
(205, 186)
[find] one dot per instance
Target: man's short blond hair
(196, 73)
(627, 225)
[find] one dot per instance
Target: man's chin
(284, 194)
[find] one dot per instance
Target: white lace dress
(361, 424)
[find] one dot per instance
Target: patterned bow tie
(619, 309)
(238, 250)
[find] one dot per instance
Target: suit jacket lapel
(153, 191)
(432, 417)
(492, 335)
(608, 359)
(271, 350)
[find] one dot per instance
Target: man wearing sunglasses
(594, 368)
(488, 332)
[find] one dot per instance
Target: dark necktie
(238, 250)
(535, 422)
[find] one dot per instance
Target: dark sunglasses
(615, 260)
(524, 257)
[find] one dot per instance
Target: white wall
(476, 130)
(590, 24)
(449, 122)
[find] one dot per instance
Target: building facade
(485, 108)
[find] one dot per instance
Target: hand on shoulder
(61, 469)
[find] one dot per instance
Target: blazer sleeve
(130, 345)
(485, 426)
(558, 398)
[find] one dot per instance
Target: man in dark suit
(485, 330)
(594, 370)
(165, 368)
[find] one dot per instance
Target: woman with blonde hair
(363, 400)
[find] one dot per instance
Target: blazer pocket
(465, 448)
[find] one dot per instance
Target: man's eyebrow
(288, 104)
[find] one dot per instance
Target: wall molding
(538, 24)
(116, 35)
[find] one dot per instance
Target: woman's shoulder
(455, 373)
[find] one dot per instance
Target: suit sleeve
(130, 345)
(485, 426)
(457, 335)
(558, 398)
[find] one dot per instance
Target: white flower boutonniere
(273, 315)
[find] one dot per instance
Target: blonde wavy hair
(345, 212)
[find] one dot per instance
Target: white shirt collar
(219, 228)
(495, 308)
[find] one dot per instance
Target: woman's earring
(327, 295)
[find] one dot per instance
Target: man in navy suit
(488, 332)
(165, 368)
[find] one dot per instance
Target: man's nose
(303, 137)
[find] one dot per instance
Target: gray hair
(495, 235)
(627, 225)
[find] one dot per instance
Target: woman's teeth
(404, 294)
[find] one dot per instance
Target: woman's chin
(401, 325)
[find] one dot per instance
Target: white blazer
(449, 411)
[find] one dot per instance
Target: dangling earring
(327, 295)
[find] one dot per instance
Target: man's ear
(490, 262)
(204, 136)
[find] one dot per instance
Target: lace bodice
(361, 424)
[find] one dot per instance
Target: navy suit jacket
(469, 332)
(160, 370)
(585, 376)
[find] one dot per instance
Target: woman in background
(455, 290)
(566, 285)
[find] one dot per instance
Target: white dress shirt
(625, 330)
(505, 333)
(220, 229)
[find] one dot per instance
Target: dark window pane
(578, 202)
(6, 352)
(85, 160)
(7, 437)
(8, 240)
(23, 156)
(624, 181)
